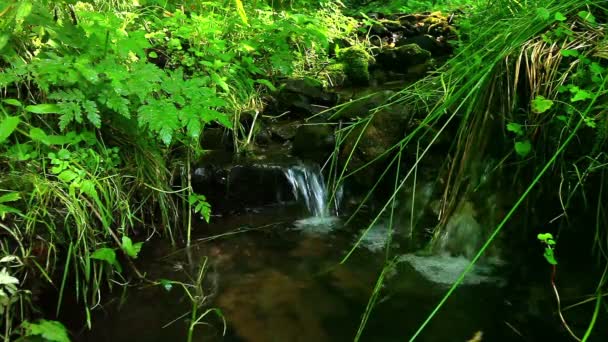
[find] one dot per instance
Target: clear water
(279, 277)
(284, 282)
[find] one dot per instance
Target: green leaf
(569, 53)
(559, 16)
(38, 135)
(581, 95)
(67, 176)
(132, 249)
(90, 108)
(523, 148)
(105, 254)
(5, 209)
(541, 104)
(12, 102)
(241, 11)
(543, 13)
(161, 117)
(4, 38)
(544, 237)
(515, 128)
(550, 256)
(49, 330)
(152, 54)
(8, 126)
(267, 83)
(45, 108)
(200, 205)
(588, 17)
(108, 255)
(7, 279)
(10, 197)
(24, 10)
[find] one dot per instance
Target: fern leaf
(90, 108)
(161, 117)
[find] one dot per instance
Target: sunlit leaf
(541, 104)
(569, 53)
(13, 102)
(587, 16)
(543, 13)
(8, 126)
(560, 17)
(132, 249)
(45, 108)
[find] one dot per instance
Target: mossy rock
(356, 61)
(335, 74)
(403, 58)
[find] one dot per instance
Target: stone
(314, 142)
(303, 97)
(356, 61)
(368, 142)
(402, 58)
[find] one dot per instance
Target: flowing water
(276, 275)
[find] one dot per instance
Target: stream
(275, 273)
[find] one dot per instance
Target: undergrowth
(103, 108)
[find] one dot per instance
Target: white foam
(445, 269)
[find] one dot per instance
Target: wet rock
(303, 97)
(462, 235)
(285, 131)
(216, 138)
(402, 58)
(369, 141)
(314, 142)
(362, 106)
(236, 184)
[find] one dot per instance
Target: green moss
(335, 74)
(412, 54)
(356, 62)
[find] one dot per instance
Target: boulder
(235, 184)
(367, 142)
(314, 142)
(303, 97)
(356, 61)
(402, 58)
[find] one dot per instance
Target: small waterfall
(308, 185)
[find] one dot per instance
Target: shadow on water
(283, 282)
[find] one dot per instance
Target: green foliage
(52, 331)
(130, 248)
(547, 240)
(108, 255)
(541, 105)
(5, 209)
(200, 205)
